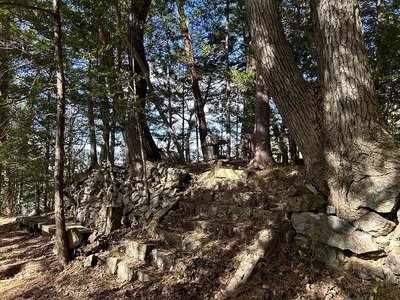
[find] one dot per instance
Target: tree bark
(228, 81)
(262, 141)
(61, 237)
(199, 102)
(336, 123)
(135, 122)
(5, 78)
(92, 134)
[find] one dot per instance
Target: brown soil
(29, 270)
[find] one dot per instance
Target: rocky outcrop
(337, 241)
(230, 204)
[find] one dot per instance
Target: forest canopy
(144, 77)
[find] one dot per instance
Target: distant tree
(199, 102)
(381, 22)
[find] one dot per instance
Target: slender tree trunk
(92, 134)
(248, 121)
(262, 141)
(7, 191)
(106, 63)
(228, 80)
(336, 123)
(4, 112)
(199, 103)
(169, 97)
(46, 166)
(61, 237)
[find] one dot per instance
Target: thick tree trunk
(336, 123)
(61, 237)
(199, 102)
(135, 123)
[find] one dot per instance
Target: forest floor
(29, 270)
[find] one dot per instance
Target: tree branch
(29, 7)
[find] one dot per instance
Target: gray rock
(155, 201)
(90, 261)
(74, 238)
(113, 219)
(392, 261)
(334, 232)
(331, 210)
(366, 269)
(378, 193)
(374, 224)
(137, 250)
(142, 276)
(163, 260)
(125, 271)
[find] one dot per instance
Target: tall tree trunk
(136, 123)
(92, 134)
(106, 63)
(228, 80)
(199, 103)
(248, 121)
(336, 123)
(61, 236)
(4, 112)
(262, 141)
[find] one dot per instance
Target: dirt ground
(29, 270)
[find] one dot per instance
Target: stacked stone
(90, 198)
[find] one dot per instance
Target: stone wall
(89, 198)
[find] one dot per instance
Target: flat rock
(366, 269)
(374, 224)
(333, 231)
(378, 193)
